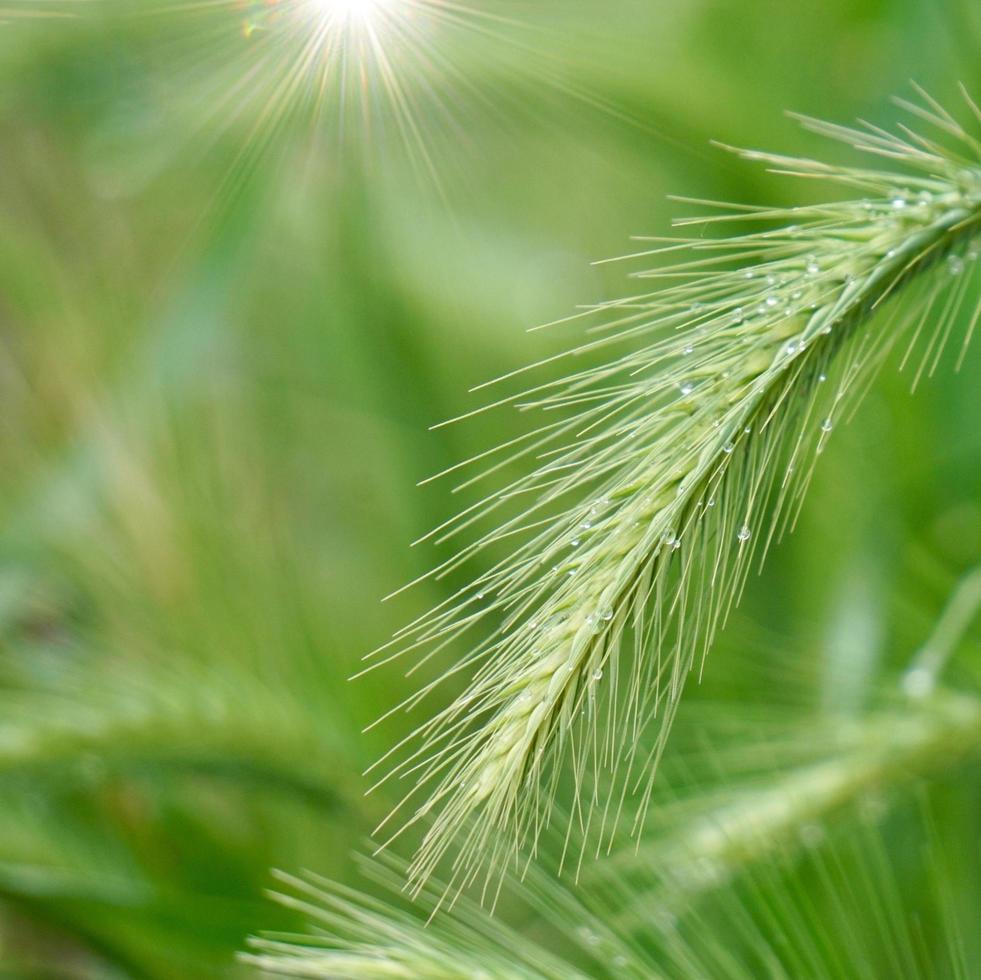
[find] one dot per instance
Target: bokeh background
(232, 303)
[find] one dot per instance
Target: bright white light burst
(352, 11)
(374, 69)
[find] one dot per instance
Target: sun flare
(387, 70)
(352, 12)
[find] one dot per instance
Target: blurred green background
(229, 311)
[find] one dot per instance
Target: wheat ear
(664, 471)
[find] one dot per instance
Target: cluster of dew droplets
(786, 297)
(587, 523)
(783, 293)
(598, 621)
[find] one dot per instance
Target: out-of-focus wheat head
(663, 473)
(717, 892)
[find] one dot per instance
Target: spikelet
(361, 937)
(747, 868)
(662, 474)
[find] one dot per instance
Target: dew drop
(686, 388)
(917, 682)
(738, 316)
(606, 615)
(872, 808)
(955, 265)
(772, 301)
(597, 674)
(688, 350)
(827, 425)
(744, 533)
(728, 448)
(822, 377)
(812, 835)
(898, 203)
(812, 268)
(704, 871)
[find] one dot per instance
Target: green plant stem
(930, 660)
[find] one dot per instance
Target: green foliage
(230, 307)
